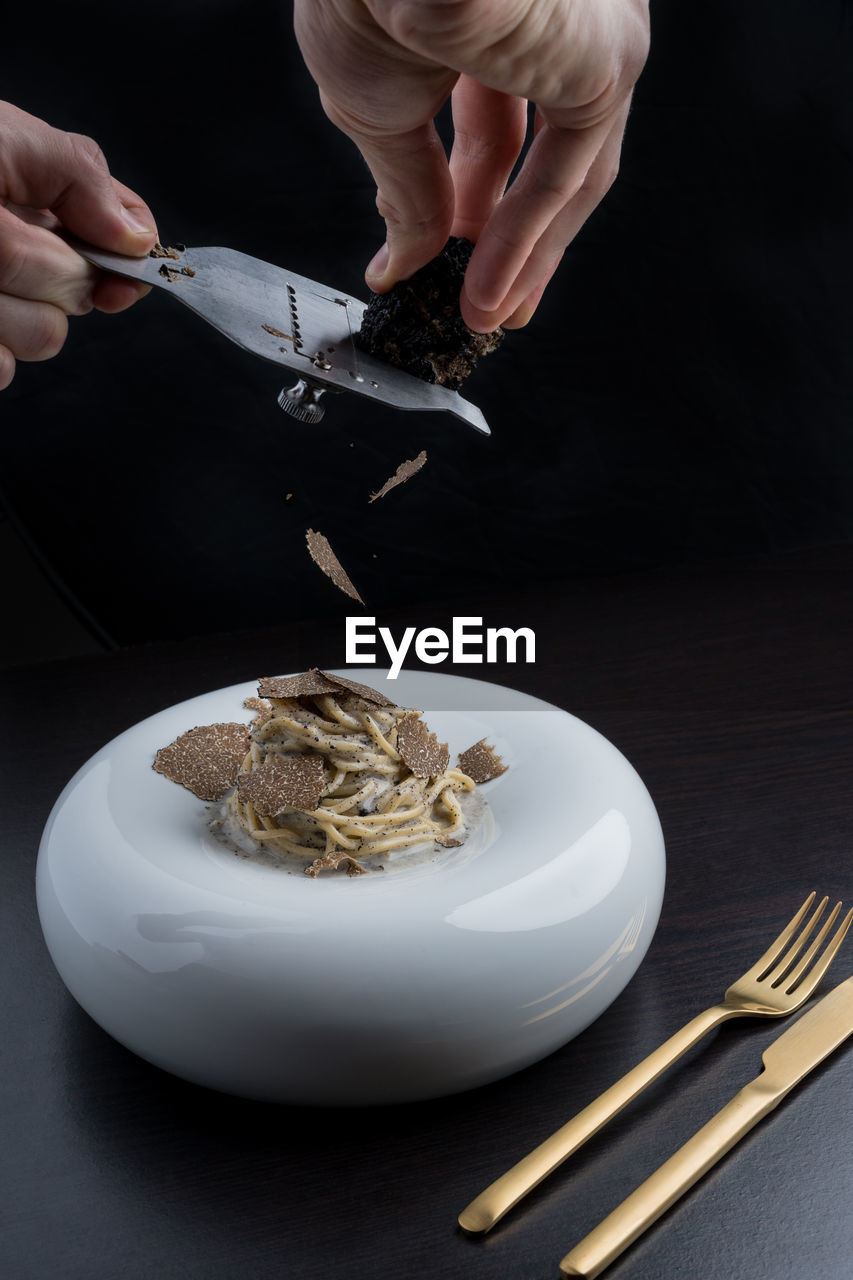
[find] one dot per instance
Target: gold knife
(786, 1062)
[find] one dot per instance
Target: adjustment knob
(302, 401)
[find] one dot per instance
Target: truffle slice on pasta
(294, 782)
(421, 750)
(205, 760)
(387, 781)
(481, 762)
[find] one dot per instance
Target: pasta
(330, 769)
(381, 780)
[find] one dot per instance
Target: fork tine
(778, 971)
(763, 966)
(808, 984)
(789, 980)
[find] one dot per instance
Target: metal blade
(287, 319)
(811, 1039)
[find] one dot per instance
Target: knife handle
(661, 1190)
(498, 1198)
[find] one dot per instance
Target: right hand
(384, 68)
(52, 181)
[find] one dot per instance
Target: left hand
(52, 181)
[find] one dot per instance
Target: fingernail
(378, 265)
(478, 321)
(136, 222)
(521, 316)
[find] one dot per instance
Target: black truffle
(418, 326)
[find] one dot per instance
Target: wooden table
(730, 688)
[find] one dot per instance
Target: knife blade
(785, 1063)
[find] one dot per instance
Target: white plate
(379, 988)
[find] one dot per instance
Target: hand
(385, 67)
(50, 181)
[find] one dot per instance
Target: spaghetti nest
(361, 779)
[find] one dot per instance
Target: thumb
(67, 173)
(97, 208)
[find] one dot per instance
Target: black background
(684, 391)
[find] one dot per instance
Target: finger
(114, 293)
(385, 100)
(414, 195)
(135, 212)
(49, 270)
(518, 304)
(38, 265)
(44, 218)
(7, 367)
(489, 129)
(524, 312)
(46, 168)
(553, 172)
(31, 330)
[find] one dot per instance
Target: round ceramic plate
(391, 986)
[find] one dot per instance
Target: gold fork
(776, 985)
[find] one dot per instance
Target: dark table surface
(730, 688)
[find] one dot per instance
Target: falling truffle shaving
(403, 473)
(205, 760)
(283, 782)
(420, 749)
(481, 762)
(324, 557)
(418, 325)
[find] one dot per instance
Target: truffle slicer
(288, 319)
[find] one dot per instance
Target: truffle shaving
(306, 685)
(331, 862)
(205, 760)
(360, 690)
(420, 749)
(161, 251)
(261, 707)
(325, 559)
(481, 762)
(313, 683)
(403, 473)
(294, 782)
